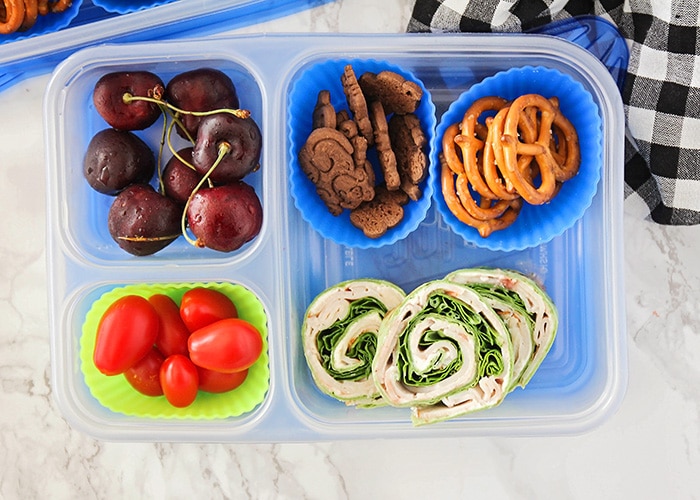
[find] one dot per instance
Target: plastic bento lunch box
(87, 22)
(578, 385)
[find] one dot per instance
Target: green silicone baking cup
(116, 394)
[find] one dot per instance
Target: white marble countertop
(649, 449)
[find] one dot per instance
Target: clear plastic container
(38, 51)
(580, 383)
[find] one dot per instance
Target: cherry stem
(240, 113)
(176, 153)
(164, 133)
(224, 149)
(149, 238)
(178, 122)
(172, 148)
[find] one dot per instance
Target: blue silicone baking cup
(535, 225)
(47, 23)
(302, 97)
(124, 7)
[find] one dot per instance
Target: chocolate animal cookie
(324, 113)
(357, 103)
(384, 212)
(385, 153)
(397, 94)
(409, 141)
(326, 159)
(349, 129)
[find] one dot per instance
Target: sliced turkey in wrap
(339, 335)
(526, 309)
(444, 352)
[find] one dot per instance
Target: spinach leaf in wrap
(339, 336)
(443, 352)
(528, 311)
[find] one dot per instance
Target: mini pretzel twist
(511, 146)
(449, 149)
(31, 12)
(471, 142)
(485, 227)
(60, 5)
(486, 208)
(493, 157)
(567, 146)
(21, 15)
(13, 18)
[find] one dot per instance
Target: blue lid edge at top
(241, 14)
(598, 36)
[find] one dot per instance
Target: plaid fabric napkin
(661, 92)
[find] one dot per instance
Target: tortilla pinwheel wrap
(527, 310)
(443, 352)
(339, 335)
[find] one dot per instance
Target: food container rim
(294, 51)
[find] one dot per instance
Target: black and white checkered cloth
(661, 92)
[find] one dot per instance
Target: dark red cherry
(203, 89)
(179, 180)
(115, 159)
(242, 138)
(143, 221)
(224, 218)
(109, 99)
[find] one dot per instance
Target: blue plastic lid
(596, 35)
(40, 54)
(36, 55)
